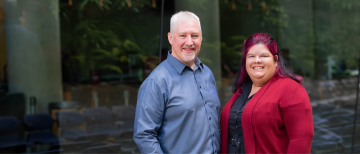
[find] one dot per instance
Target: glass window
(70, 70)
(76, 67)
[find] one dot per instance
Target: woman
(270, 111)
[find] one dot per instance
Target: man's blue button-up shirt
(178, 110)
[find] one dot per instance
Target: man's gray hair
(183, 15)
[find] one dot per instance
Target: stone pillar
(33, 51)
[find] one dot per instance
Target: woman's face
(260, 64)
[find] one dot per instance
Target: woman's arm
(298, 121)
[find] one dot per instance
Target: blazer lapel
(246, 118)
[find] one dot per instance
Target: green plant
(93, 40)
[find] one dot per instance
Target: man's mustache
(185, 46)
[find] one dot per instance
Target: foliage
(244, 18)
(344, 35)
(309, 36)
(93, 40)
(230, 51)
(344, 4)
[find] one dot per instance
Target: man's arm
(149, 116)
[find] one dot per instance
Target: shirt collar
(178, 65)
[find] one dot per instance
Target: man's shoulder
(159, 73)
(206, 68)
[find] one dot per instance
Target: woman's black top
(236, 138)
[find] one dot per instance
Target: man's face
(186, 41)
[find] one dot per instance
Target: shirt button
(235, 126)
(213, 134)
(237, 111)
(209, 118)
(200, 87)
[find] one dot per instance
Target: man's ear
(170, 38)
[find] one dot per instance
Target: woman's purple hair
(262, 38)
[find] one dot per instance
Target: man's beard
(187, 57)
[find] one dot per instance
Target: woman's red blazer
(278, 119)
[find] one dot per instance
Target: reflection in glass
(81, 87)
(74, 56)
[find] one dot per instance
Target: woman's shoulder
(288, 85)
(287, 82)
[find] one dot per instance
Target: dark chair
(113, 148)
(72, 147)
(9, 141)
(127, 145)
(69, 122)
(14, 105)
(62, 105)
(39, 127)
(123, 115)
(56, 151)
(58, 106)
(99, 120)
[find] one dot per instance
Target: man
(178, 106)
